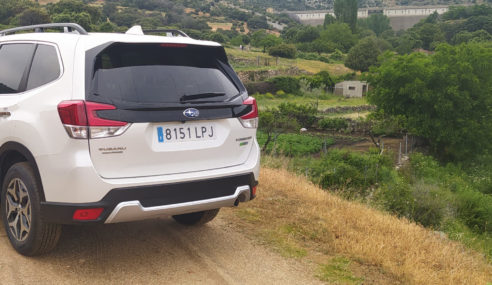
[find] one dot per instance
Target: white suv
(108, 128)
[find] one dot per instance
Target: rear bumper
(143, 202)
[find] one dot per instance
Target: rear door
(15, 59)
(181, 103)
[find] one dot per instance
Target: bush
(313, 56)
(350, 171)
(260, 87)
(305, 115)
(283, 50)
(333, 124)
(287, 84)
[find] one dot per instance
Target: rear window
(14, 60)
(45, 67)
(161, 73)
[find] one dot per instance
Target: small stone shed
(351, 88)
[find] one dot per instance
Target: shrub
(351, 171)
(304, 114)
(333, 124)
(283, 50)
(287, 84)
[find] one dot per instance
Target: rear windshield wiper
(191, 97)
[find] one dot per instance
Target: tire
(196, 218)
(20, 203)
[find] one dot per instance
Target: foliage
(445, 97)
(365, 53)
(305, 115)
(385, 125)
(346, 12)
(273, 123)
(291, 144)
(378, 23)
(32, 16)
(260, 38)
(329, 19)
(257, 22)
(340, 35)
(333, 124)
(287, 84)
(321, 79)
(283, 50)
(346, 170)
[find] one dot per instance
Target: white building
(351, 88)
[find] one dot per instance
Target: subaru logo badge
(191, 113)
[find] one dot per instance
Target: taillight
(250, 120)
(81, 121)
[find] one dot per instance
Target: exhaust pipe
(236, 203)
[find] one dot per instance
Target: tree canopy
(445, 97)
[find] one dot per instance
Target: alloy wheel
(18, 209)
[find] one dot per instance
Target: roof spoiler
(137, 30)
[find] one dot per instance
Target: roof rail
(169, 32)
(67, 27)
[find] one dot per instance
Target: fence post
(324, 146)
(399, 155)
(406, 144)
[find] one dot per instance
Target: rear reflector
(81, 121)
(250, 120)
(253, 192)
(87, 214)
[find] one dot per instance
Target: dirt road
(153, 252)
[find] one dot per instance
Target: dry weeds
(333, 226)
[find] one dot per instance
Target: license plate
(186, 132)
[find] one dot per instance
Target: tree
(273, 123)
(283, 50)
(346, 12)
(262, 39)
(378, 23)
(445, 97)
(76, 7)
(430, 35)
(307, 34)
(83, 19)
(365, 53)
(10, 8)
(340, 35)
(258, 22)
(329, 19)
(32, 16)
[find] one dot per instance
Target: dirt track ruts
(153, 252)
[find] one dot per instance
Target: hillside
(295, 5)
(349, 243)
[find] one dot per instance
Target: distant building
(351, 88)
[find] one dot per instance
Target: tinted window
(45, 67)
(154, 73)
(14, 60)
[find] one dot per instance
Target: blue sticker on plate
(160, 134)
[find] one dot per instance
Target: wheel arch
(13, 152)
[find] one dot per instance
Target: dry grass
(328, 225)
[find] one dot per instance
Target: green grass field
(327, 101)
